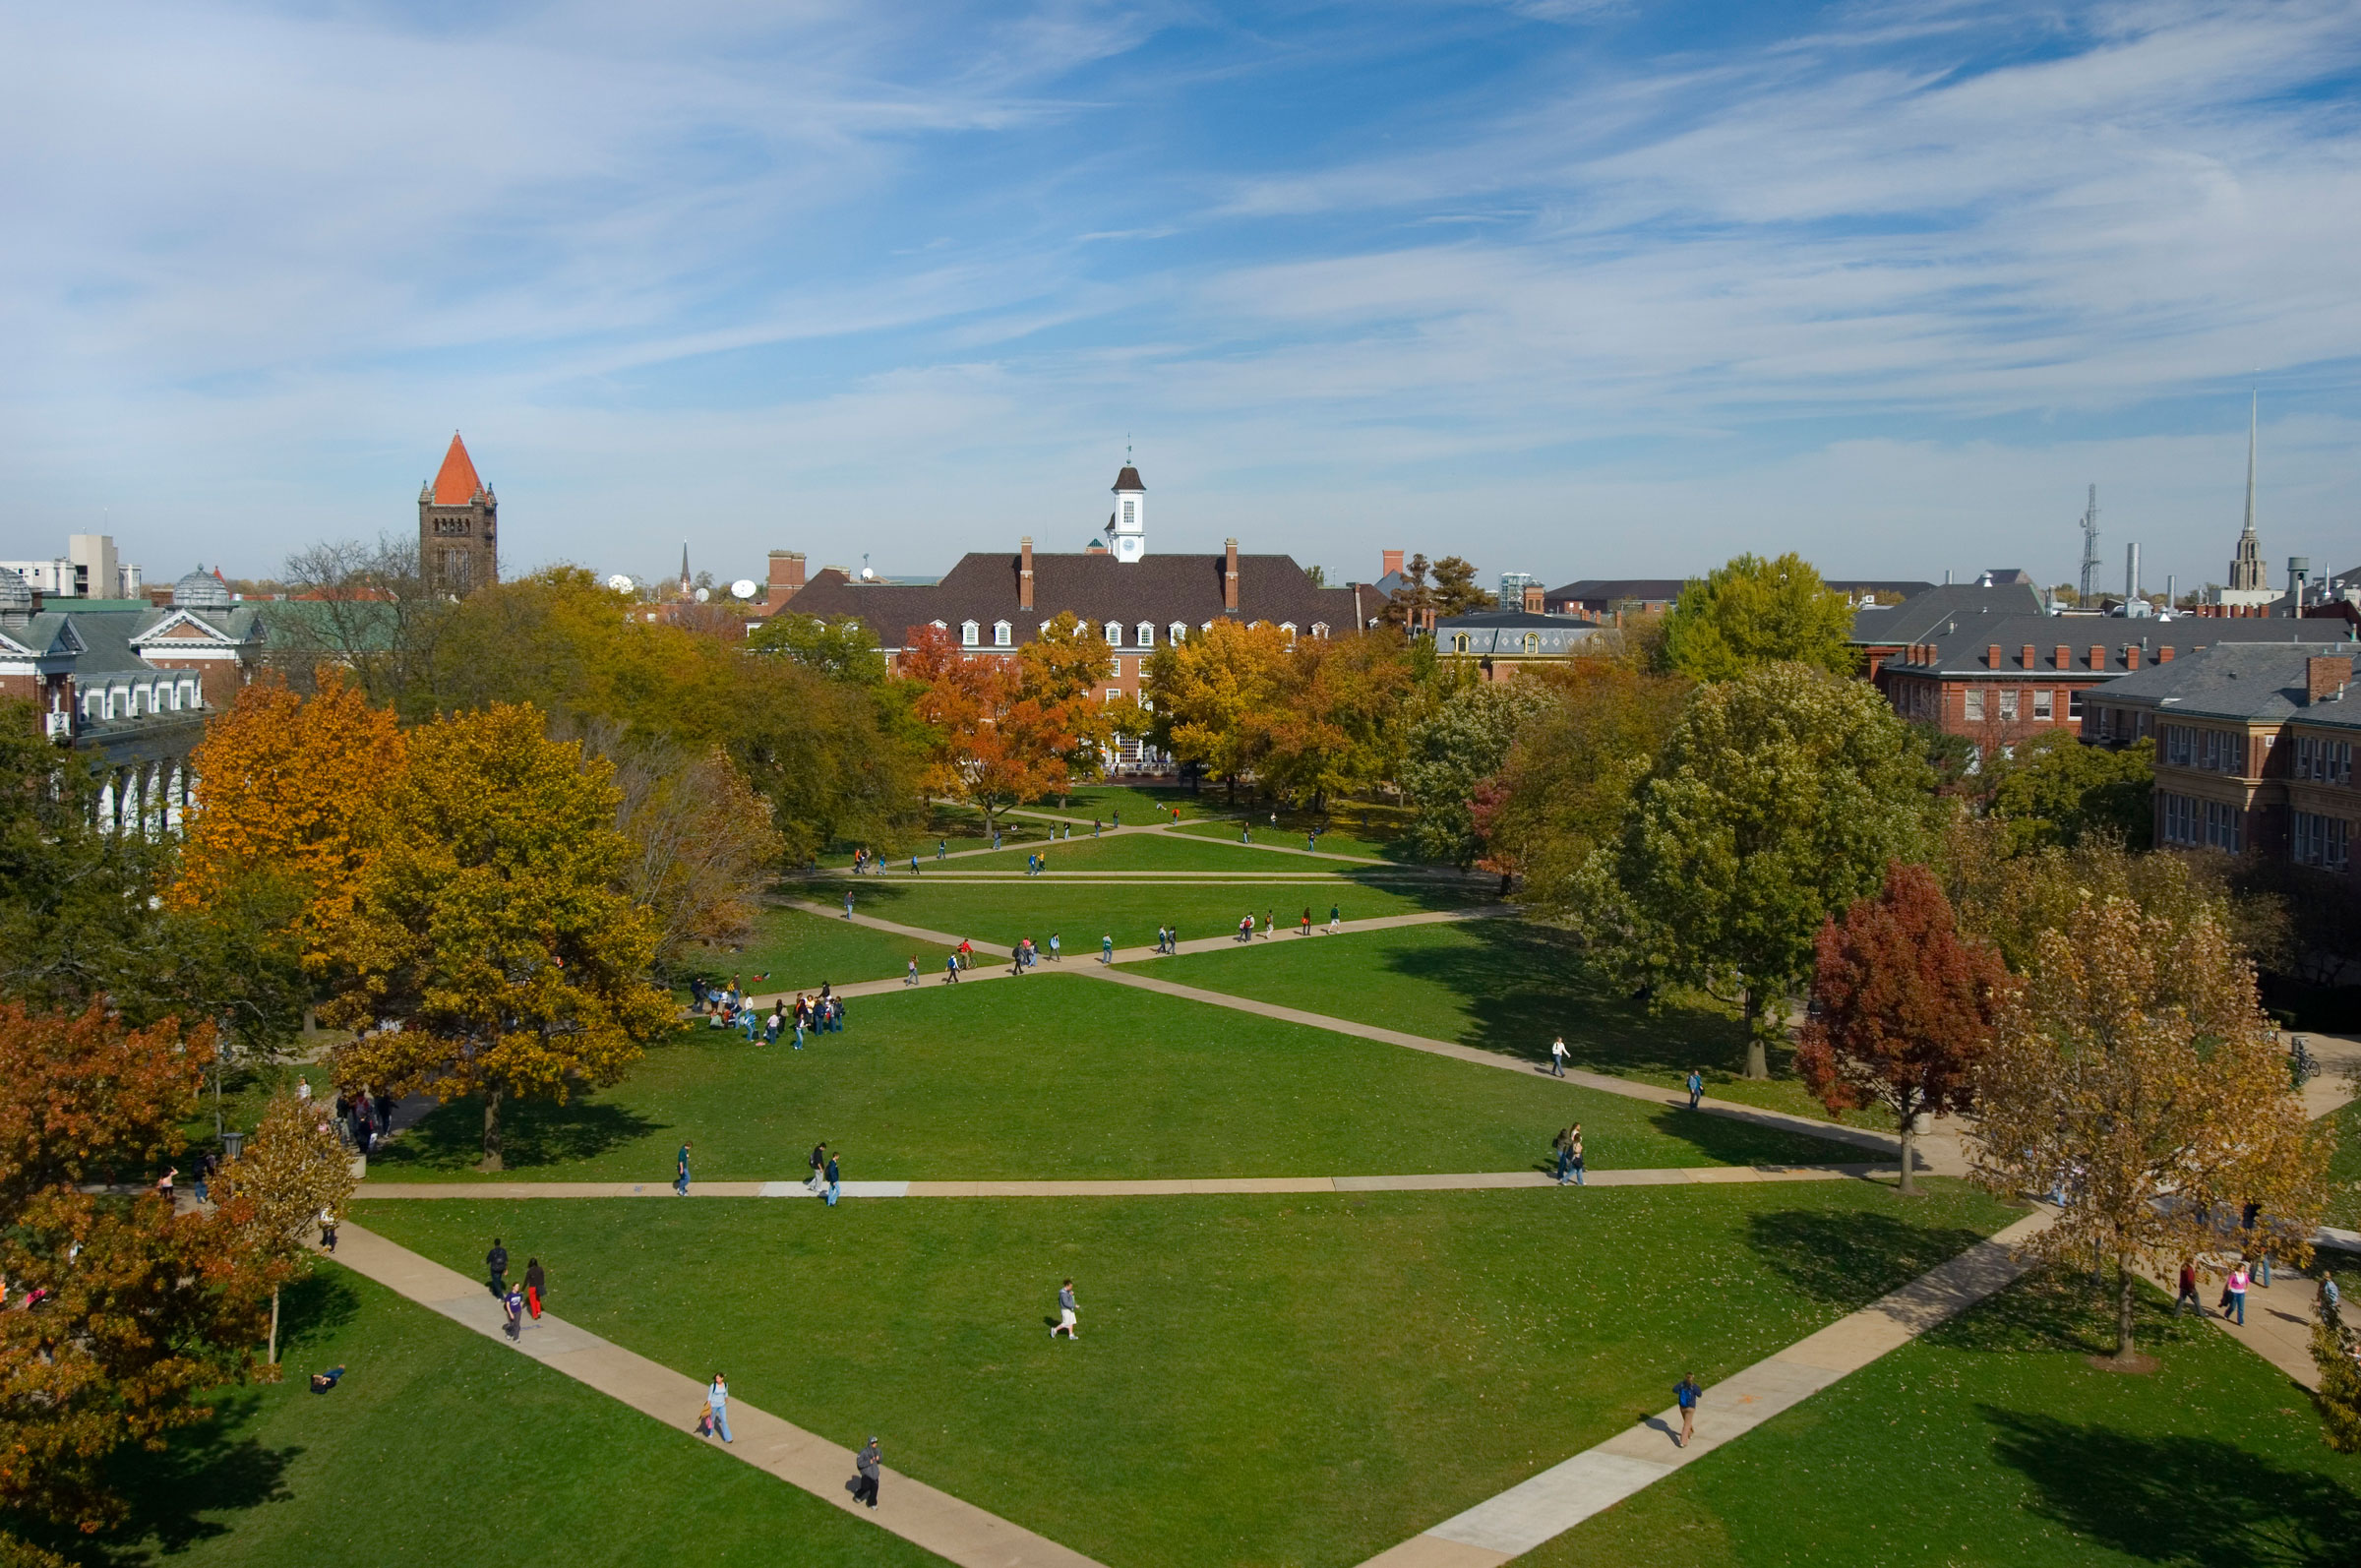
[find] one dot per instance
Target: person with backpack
(1686, 1394)
(833, 1183)
(497, 1261)
(680, 1184)
(820, 1163)
(1107, 949)
(864, 1478)
(717, 1409)
(1696, 1087)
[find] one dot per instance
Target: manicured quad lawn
(2344, 1167)
(1081, 912)
(1259, 1379)
(1137, 852)
(1505, 984)
(1138, 803)
(1062, 1075)
(1994, 1441)
(446, 1450)
(799, 950)
(1338, 836)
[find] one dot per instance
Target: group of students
(518, 1298)
(358, 1116)
(730, 1008)
(1247, 929)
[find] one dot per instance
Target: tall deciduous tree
(2133, 1073)
(2055, 790)
(1754, 612)
(489, 950)
(1338, 718)
(1452, 754)
(1208, 690)
(1903, 1007)
(992, 744)
(83, 1098)
(290, 1172)
(1779, 799)
(286, 785)
(701, 844)
(1062, 671)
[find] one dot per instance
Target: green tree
(1754, 612)
(1456, 590)
(842, 649)
(2055, 790)
(1777, 800)
(489, 950)
(1454, 753)
(2339, 1396)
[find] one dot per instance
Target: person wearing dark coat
(865, 1461)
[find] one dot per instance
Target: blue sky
(1579, 289)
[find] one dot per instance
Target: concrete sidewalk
(1145, 1187)
(918, 1513)
(1557, 1499)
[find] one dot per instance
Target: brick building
(1881, 631)
(2254, 748)
(458, 522)
(1497, 644)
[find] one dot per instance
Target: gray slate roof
(2262, 682)
(1959, 651)
(1492, 632)
(1922, 615)
(1620, 588)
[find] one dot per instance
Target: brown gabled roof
(1128, 479)
(456, 483)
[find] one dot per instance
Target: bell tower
(1128, 527)
(458, 519)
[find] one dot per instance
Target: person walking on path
(1576, 1151)
(833, 1182)
(1066, 1312)
(1686, 1393)
(911, 978)
(680, 1165)
(163, 1184)
(536, 1288)
(1557, 1055)
(1094, 827)
(1336, 918)
(328, 1231)
(2186, 1299)
(1696, 1087)
(717, 1408)
(1564, 1145)
(2236, 1293)
(865, 1477)
(1306, 928)
(914, 863)
(496, 1262)
(1270, 922)
(1057, 955)
(2331, 1300)
(943, 848)
(950, 969)
(848, 903)
(820, 1164)
(512, 1307)
(1107, 949)
(204, 1177)
(966, 953)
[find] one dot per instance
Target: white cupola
(1128, 527)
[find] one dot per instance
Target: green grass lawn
(1082, 912)
(1994, 1441)
(1259, 1380)
(799, 950)
(1138, 852)
(2344, 1169)
(1507, 986)
(1140, 804)
(1379, 837)
(446, 1450)
(1061, 1076)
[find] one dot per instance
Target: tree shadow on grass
(2195, 1502)
(212, 1467)
(533, 1134)
(1728, 1140)
(1848, 1257)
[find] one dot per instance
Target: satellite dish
(702, 594)
(743, 588)
(619, 583)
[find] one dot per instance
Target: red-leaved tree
(1903, 1006)
(993, 741)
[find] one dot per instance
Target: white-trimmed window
(1459, 642)
(1145, 634)
(1319, 629)
(968, 636)
(1115, 693)
(1115, 634)
(1289, 626)
(1533, 642)
(1177, 632)
(2322, 759)
(1974, 709)
(2074, 702)
(2008, 703)
(2044, 706)
(999, 634)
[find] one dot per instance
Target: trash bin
(231, 1143)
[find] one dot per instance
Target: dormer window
(1115, 634)
(1533, 642)
(1459, 642)
(1289, 626)
(999, 633)
(1147, 633)
(1319, 629)
(967, 634)
(1177, 632)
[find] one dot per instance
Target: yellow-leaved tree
(489, 949)
(1208, 690)
(2134, 1075)
(291, 1171)
(288, 786)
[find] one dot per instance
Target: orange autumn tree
(286, 786)
(995, 740)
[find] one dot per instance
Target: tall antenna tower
(2089, 546)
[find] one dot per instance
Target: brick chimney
(2025, 656)
(2130, 655)
(1533, 598)
(1393, 564)
(2164, 654)
(1024, 573)
(2325, 675)
(786, 577)
(2098, 657)
(2065, 657)
(1992, 656)
(1230, 573)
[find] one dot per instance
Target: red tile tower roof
(456, 483)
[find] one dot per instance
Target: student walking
(865, 1477)
(914, 863)
(1576, 1151)
(833, 1182)
(717, 1409)
(2234, 1295)
(950, 969)
(820, 1164)
(1056, 955)
(1107, 949)
(1305, 930)
(680, 1175)
(1557, 1055)
(848, 903)
(1564, 1145)
(1270, 922)
(1336, 918)
(1696, 1087)
(1686, 1394)
(1066, 1312)
(328, 1231)
(2186, 1299)
(496, 1262)
(942, 847)
(536, 1288)
(512, 1307)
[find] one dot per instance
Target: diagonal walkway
(1557, 1499)
(918, 1513)
(1150, 1187)
(1882, 1143)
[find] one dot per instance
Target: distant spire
(2253, 406)
(684, 562)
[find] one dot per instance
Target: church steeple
(2246, 567)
